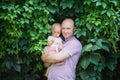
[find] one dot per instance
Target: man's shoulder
(76, 41)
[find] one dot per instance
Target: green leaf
(103, 12)
(66, 3)
(84, 62)
(89, 26)
(8, 64)
(99, 42)
(31, 2)
(95, 58)
(52, 9)
(97, 29)
(108, 13)
(86, 74)
(98, 22)
(111, 64)
(87, 2)
(95, 47)
(99, 67)
(17, 67)
(83, 75)
(98, 3)
(106, 48)
(115, 2)
(87, 48)
(104, 5)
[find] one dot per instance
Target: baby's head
(56, 29)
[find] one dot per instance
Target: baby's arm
(60, 45)
(50, 40)
(60, 48)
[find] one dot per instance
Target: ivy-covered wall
(25, 25)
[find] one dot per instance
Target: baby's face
(56, 32)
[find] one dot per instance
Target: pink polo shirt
(67, 71)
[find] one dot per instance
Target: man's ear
(74, 29)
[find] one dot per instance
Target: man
(69, 54)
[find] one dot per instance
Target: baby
(54, 42)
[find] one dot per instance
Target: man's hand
(43, 57)
(47, 64)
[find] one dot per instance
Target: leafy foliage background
(25, 25)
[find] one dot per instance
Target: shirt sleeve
(73, 48)
(50, 38)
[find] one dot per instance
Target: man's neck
(68, 38)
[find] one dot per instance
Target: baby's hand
(59, 63)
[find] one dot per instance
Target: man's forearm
(55, 57)
(49, 58)
(47, 64)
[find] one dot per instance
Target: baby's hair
(54, 25)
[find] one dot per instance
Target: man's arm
(55, 57)
(47, 64)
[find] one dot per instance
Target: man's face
(67, 29)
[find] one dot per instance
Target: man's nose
(65, 30)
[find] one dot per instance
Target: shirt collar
(68, 38)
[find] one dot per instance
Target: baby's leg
(46, 74)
